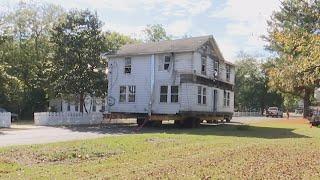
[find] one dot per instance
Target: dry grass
(282, 149)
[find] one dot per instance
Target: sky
(236, 25)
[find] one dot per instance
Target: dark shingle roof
(178, 45)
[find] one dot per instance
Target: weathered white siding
(140, 77)
(189, 99)
(188, 62)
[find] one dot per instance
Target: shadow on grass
(234, 130)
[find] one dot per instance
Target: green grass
(269, 150)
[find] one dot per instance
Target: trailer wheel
(227, 119)
(209, 121)
(178, 123)
(140, 120)
(191, 122)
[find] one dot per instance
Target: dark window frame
(127, 65)
(131, 93)
(164, 95)
(123, 94)
(174, 95)
(166, 63)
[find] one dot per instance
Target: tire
(209, 121)
(191, 122)
(227, 120)
(140, 120)
(178, 123)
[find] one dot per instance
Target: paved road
(29, 134)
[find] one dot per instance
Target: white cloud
(164, 7)
(228, 48)
(179, 27)
(133, 31)
(247, 18)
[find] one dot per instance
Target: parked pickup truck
(274, 112)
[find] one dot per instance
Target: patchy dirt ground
(265, 149)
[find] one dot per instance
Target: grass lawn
(265, 150)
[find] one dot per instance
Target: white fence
(5, 119)
(67, 118)
(239, 114)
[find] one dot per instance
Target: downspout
(152, 77)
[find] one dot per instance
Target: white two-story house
(176, 78)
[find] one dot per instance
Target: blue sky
(237, 25)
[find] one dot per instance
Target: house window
(199, 94)
(127, 65)
(166, 64)
(228, 70)
(174, 94)
(203, 64)
(226, 99)
(132, 94)
(123, 95)
(76, 108)
(163, 94)
(216, 68)
(68, 106)
(204, 95)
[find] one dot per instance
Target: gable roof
(178, 45)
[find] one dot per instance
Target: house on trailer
(186, 80)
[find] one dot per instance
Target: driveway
(29, 134)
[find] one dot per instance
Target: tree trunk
(81, 102)
(306, 103)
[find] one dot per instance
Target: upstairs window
(216, 68)
(228, 71)
(123, 95)
(174, 94)
(166, 63)
(127, 65)
(164, 94)
(203, 65)
(132, 94)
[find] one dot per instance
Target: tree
(156, 33)
(294, 35)
(114, 40)
(78, 68)
(251, 89)
(25, 51)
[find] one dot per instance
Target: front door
(215, 100)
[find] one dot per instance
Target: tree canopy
(294, 36)
(78, 67)
(24, 55)
(156, 33)
(251, 89)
